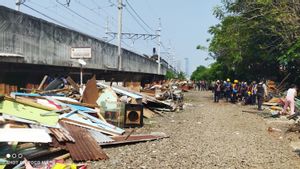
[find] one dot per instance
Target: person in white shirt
(290, 99)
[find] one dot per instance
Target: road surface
(206, 135)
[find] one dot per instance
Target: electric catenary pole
(159, 46)
(120, 8)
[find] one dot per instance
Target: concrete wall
(36, 41)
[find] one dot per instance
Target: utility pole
(120, 8)
(169, 57)
(18, 4)
(106, 28)
(159, 45)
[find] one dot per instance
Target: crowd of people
(252, 93)
(202, 85)
(236, 91)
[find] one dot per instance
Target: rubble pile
(62, 122)
(273, 109)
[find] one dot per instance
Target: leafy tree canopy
(254, 39)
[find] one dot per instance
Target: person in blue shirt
(235, 90)
(228, 89)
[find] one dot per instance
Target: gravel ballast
(205, 135)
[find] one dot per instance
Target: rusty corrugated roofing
(55, 143)
(133, 139)
(61, 134)
(85, 147)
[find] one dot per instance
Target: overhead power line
(137, 21)
(138, 16)
(59, 15)
(47, 16)
(84, 18)
(90, 9)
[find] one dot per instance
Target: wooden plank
(148, 113)
(2, 88)
(99, 114)
(62, 157)
(282, 81)
(42, 82)
(276, 108)
(7, 89)
(28, 102)
(251, 111)
(135, 86)
(72, 83)
(54, 91)
(88, 126)
(270, 104)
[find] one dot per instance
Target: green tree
(170, 75)
(181, 76)
(255, 38)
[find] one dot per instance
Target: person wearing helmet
(235, 89)
(228, 89)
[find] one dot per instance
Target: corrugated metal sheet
(61, 134)
(118, 89)
(85, 147)
(133, 139)
(99, 137)
(83, 119)
(55, 143)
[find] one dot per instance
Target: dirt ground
(207, 135)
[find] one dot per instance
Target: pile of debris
(67, 120)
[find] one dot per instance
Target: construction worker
(243, 91)
(235, 89)
(227, 86)
(248, 96)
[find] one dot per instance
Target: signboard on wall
(81, 53)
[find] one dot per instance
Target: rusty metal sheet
(85, 147)
(91, 93)
(62, 134)
(132, 139)
(56, 144)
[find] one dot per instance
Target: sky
(184, 24)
